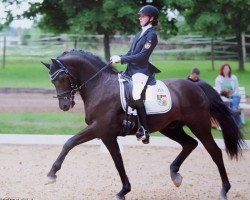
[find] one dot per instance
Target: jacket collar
(138, 38)
(145, 28)
(144, 34)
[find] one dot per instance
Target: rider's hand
(115, 59)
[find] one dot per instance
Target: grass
(41, 123)
(28, 72)
(64, 124)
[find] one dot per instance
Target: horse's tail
(232, 135)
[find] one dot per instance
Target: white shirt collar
(144, 28)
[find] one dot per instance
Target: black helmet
(149, 10)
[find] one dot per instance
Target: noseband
(72, 79)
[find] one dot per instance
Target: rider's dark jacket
(138, 55)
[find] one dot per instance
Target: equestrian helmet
(149, 10)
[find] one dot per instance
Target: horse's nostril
(64, 106)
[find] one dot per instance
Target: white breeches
(139, 82)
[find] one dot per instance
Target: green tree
(87, 17)
(217, 18)
(94, 17)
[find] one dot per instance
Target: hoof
(52, 179)
(178, 180)
(118, 198)
(223, 195)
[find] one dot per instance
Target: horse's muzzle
(66, 104)
(65, 108)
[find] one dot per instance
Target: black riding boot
(142, 133)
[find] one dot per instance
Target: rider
(139, 67)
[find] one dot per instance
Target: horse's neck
(97, 87)
(98, 95)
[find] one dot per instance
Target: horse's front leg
(113, 147)
(84, 136)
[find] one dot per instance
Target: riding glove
(115, 59)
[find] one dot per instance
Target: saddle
(128, 87)
(156, 96)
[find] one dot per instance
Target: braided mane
(94, 59)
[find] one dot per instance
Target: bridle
(74, 87)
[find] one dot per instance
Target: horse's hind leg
(203, 133)
(188, 144)
(113, 147)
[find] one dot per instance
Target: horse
(193, 105)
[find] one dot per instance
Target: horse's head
(73, 71)
(63, 82)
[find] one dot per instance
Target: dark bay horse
(193, 105)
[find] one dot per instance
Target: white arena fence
(176, 48)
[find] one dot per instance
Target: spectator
(228, 86)
(195, 75)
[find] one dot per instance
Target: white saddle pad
(158, 99)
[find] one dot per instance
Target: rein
(92, 77)
(74, 88)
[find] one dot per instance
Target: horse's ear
(55, 62)
(46, 64)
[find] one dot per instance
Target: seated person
(195, 75)
(228, 86)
